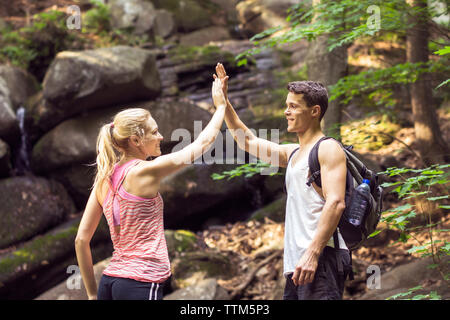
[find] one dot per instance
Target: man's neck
(310, 136)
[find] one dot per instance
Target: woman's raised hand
(222, 75)
(217, 94)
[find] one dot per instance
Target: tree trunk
(432, 146)
(327, 68)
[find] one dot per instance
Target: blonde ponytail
(112, 140)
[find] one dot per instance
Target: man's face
(298, 115)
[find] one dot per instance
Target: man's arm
(333, 171)
(268, 151)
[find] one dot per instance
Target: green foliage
(379, 84)
(34, 47)
(248, 170)
(431, 296)
(98, 18)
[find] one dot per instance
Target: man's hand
(306, 268)
(222, 75)
(217, 94)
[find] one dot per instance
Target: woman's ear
(135, 140)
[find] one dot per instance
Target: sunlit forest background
(67, 66)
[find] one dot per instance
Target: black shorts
(114, 288)
(328, 284)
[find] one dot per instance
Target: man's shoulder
(330, 150)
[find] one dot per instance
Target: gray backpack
(356, 172)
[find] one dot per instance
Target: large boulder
(138, 15)
(33, 267)
(5, 160)
(73, 141)
(189, 15)
(205, 36)
(411, 275)
(78, 81)
(16, 86)
(164, 23)
(31, 205)
(191, 267)
(191, 196)
(255, 16)
(9, 126)
(20, 83)
(69, 288)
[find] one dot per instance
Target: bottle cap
(366, 181)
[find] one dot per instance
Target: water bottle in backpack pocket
(359, 204)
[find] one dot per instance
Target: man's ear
(315, 111)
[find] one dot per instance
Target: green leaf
(438, 198)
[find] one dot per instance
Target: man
(312, 213)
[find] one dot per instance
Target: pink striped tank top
(140, 250)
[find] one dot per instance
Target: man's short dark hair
(313, 93)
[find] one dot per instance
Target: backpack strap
(314, 165)
(292, 153)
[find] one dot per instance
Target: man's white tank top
(303, 210)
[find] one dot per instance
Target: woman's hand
(217, 94)
(222, 75)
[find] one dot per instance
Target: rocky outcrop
(5, 160)
(191, 267)
(408, 276)
(79, 81)
(207, 289)
(255, 16)
(205, 36)
(31, 205)
(137, 15)
(47, 259)
(189, 15)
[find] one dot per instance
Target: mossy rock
(275, 211)
(31, 205)
(369, 134)
(191, 267)
(180, 241)
(189, 15)
(46, 254)
(206, 55)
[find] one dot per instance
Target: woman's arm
(89, 222)
(170, 163)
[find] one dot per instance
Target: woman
(127, 193)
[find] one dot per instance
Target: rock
(205, 36)
(189, 15)
(74, 141)
(201, 197)
(44, 261)
(31, 205)
(164, 23)
(62, 291)
(207, 289)
(179, 241)
(192, 267)
(410, 275)
(5, 160)
(9, 126)
(78, 81)
(138, 15)
(275, 211)
(20, 83)
(255, 16)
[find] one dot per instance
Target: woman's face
(152, 140)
